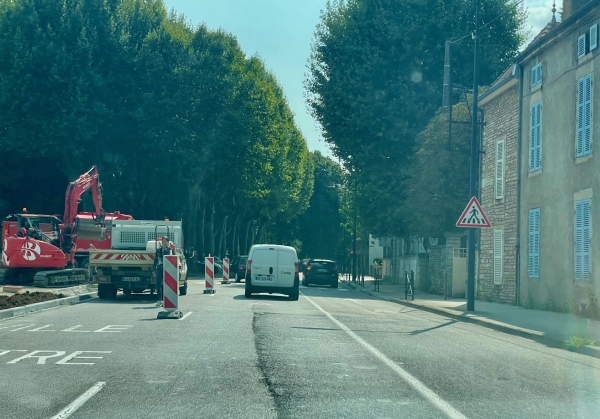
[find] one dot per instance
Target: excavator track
(61, 278)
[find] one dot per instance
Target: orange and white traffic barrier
(170, 288)
(209, 275)
(225, 271)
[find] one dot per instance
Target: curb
(534, 335)
(44, 305)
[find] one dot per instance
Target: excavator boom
(79, 187)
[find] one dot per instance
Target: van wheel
(295, 295)
(334, 285)
(247, 294)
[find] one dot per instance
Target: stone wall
(501, 123)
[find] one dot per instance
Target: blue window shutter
(582, 240)
(584, 116)
(498, 256)
(533, 263)
(594, 37)
(581, 47)
(535, 140)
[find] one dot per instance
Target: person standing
(163, 250)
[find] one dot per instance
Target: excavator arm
(86, 181)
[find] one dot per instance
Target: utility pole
(354, 244)
(474, 164)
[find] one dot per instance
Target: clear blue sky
(280, 32)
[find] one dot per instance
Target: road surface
(336, 353)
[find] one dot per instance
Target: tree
(374, 82)
(439, 185)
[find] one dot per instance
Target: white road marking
(342, 289)
(41, 329)
(21, 328)
(72, 329)
(113, 328)
(421, 388)
(41, 358)
(350, 299)
(186, 314)
(79, 401)
(75, 355)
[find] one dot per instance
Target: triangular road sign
(473, 216)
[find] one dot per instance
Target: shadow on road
(274, 297)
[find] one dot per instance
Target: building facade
(539, 174)
(498, 251)
(559, 194)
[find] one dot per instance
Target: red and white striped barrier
(209, 275)
(225, 271)
(170, 288)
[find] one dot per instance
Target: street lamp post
(354, 245)
(474, 165)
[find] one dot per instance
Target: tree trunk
(201, 250)
(211, 230)
(235, 250)
(247, 239)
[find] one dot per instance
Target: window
(535, 138)
(584, 116)
(594, 37)
(582, 240)
(500, 169)
(533, 262)
(581, 46)
(536, 75)
(498, 250)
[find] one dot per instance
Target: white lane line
(79, 401)
(186, 314)
(414, 382)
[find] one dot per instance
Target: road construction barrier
(209, 275)
(170, 288)
(225, 271)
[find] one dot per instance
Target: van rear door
(286, 268)
(264, 267)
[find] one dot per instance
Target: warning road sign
(473, 216)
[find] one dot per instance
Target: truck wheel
(112, 292)
(127, 291)
(103, 291)
(86, 265)
(183, 290)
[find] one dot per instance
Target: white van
(272, 268)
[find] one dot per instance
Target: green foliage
(576, 342)
(439, 183)
(179, 121)
(375, 80)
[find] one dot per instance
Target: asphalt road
(335, 353)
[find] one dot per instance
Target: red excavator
(52, 252)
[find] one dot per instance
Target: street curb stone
(31, 308)
(540, 337)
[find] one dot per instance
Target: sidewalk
(550, 328)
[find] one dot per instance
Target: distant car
(237, 268)
(320, 272)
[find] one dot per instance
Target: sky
(281, 32)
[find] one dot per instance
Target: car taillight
(248, 267)
(308, 268)
(296, 273)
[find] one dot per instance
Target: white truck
(127, 265)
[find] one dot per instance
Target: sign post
(170, 289)
(225, 271)
(209, 275)
(472, 217)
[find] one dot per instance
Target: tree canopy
(375, 82)
(179, 121)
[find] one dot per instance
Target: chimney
(571, 6)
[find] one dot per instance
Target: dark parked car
(321, 272)
(237, 268)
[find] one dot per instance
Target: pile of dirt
(19, 300)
